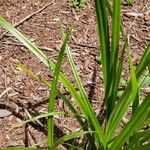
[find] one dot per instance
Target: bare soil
(21, 97)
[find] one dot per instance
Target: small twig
(19, 44)
(5, 92)
(85, 45)
(5, 81)
(28, 116)
(134, 14)
(28, 17)
(50, 49)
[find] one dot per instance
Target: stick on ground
(28, 17)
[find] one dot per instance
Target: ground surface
(22, 97)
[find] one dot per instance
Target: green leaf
(146, 122)
(144, 136)
(126, 97)
(69, 137)
(88, 111)
(22, 39)
(145, 147)
(145, 80)
(35, 76)
(116, 23)
(134, 85)
(129, 2)
(48, 84)
(133, 124)
(103, 33)
(65, 81)
(122, 106)
(70, 88)
(144, 62)
(37, 118)
(53, 93)
(118, 73)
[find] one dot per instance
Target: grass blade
(70, 88)
(115, 32)
(42, 57)
(145, 80)
(137, 119)
(48, 84)
(37, 118)
(88, 111)
(122, 105)
(104, 39)
(144, 62)
(53, 92)
(87, 106)
(69, 137)
(110, 10)
(126, 97)
(22, 39)
(45, 60)
(119, 71)
(116, 23)
(143, 136)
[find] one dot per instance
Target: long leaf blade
(63, 97)
(103, 33)
(53, 92)
(116, 23)
(69, 137)
(42, 57)
(37, 118)
(137, 119)
(122, 105)
(70, 88)
(85, 102)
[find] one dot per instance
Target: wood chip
(4, 113)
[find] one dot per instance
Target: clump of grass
(77, 4)
(106, 136)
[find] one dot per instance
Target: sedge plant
(107, 136)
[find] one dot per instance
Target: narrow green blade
(119, 71)
(69, 137)
(116, 23)
(37, 118)
(103, 33)
(145, 80)
(122, 105)
(53, 93)
(126, 97)
(84, 99)
(144, 136)
(70, 88)
(144, 62)
(145, 147)
(136, 120)
(48, 84)
(88, 109)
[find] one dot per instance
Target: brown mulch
(21, 95)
